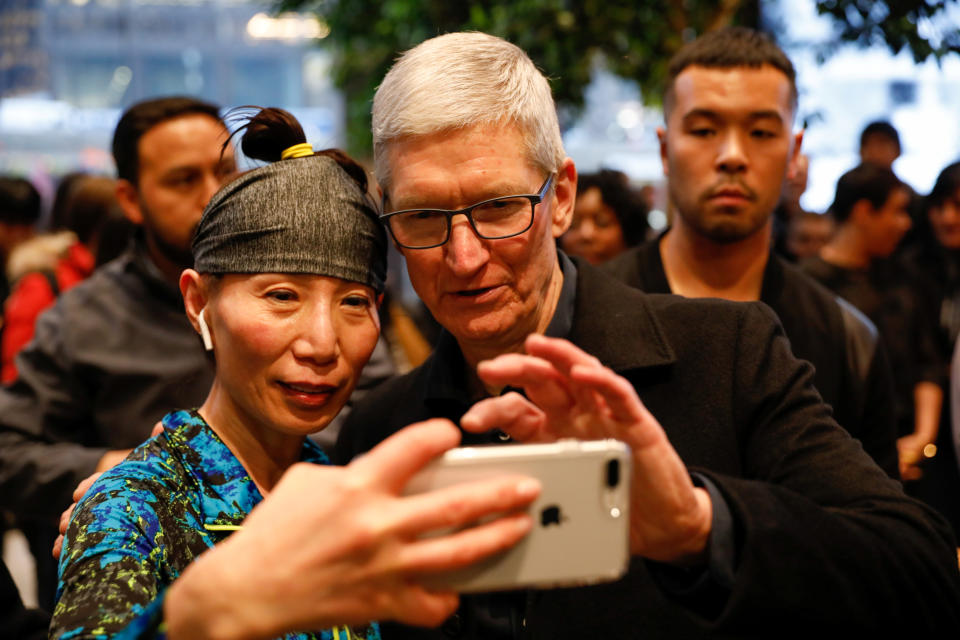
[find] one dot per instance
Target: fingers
(395, 460)
(619, 396)
(157, 430)
(65, 521)
(84, 486)
(78, 493)
(562, 354)
(511, 413)
(519, 370)
(465, 547)
(463, 504)
(65, 518)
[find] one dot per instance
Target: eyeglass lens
(495, 219)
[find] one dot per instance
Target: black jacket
(825, 540)
(852, 371)
(108, 360)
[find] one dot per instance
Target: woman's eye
(357, 301)
(282, 295)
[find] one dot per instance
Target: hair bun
(268, 132)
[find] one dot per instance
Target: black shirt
(851, 369)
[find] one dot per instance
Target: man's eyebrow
(701, 113)
(765, 114)
(488, 192)
(183, 169)
(710, 114)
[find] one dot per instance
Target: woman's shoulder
(148, 476)
(153, 473)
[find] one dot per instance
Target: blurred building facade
(68, 68)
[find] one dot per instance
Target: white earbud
(204, 331)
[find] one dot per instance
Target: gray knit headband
(303, 215)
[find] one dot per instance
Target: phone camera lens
(613, 473)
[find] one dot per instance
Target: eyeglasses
(492, 219)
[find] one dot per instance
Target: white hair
(460, 80)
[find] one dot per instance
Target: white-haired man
(749, 504)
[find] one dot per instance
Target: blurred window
(903, 92)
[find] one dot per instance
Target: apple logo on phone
(551, 515)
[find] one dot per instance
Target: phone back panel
(581, 523)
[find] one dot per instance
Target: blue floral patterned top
(144, 521)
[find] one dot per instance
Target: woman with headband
(289, 267)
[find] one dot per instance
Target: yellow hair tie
(301, 150)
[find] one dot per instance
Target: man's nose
(731, 157)
(465, 251)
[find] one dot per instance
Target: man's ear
(128, 197)
(662, 139)
(565, 194)
(793, 164)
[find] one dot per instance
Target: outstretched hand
(338, 545)
(570, 394)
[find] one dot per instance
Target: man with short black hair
(116, 352)
(727, 147)
(879, 144)
(19, 212)
(871, 209)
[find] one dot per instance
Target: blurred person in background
(116, 351)
(807, 233)
(38, 270)
(933, 263)
(936, 258)
(48, 264)
(879, 144)
(609, 216)
(728, 148)
(871, 209)
(61, 198)
(19, 213)
(789, 207)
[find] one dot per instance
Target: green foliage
(566, 38)
(918, 26)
